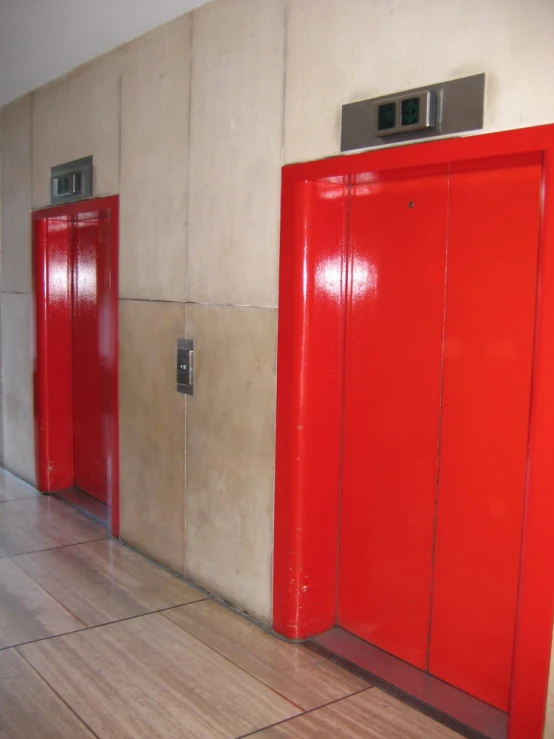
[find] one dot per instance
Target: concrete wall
(1, 390)
(190, 124)
(155, 93)
(237, 87)
(15, 298)
(339, 51)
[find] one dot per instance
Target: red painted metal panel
(53, 370)
(90, 264)
(426, 154)
(309, 406)
(391, 410)
(536, 589)
(490, 316)
(54, 364)
(296, 615)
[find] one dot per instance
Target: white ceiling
(42, 39)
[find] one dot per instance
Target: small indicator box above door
(413, 112)
(71, 181)
(440, 109)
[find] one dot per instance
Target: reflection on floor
(95, 640)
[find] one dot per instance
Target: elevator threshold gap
(460, 711)
(86, 504)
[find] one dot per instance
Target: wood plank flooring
(98, 641)
(103, 581)
(29, 707)
(12, 488)
(300, 675)
(27, 612)
(368, 715)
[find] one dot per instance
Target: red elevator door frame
(59, 406)
(312, 307)
(445, 323)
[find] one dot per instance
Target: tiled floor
(95, 640)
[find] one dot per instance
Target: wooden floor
(96, 641)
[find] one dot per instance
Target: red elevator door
(488, 360)
(90, 290)
(439, 345)
(398, 232)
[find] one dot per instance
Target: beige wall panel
(75, 116)
(236, 151)
(15, 124)
(17, 376)
(154, 163)
(152, 430)
(230, 454)
(1, 394)
(339, 51)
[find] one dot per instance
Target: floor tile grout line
(14, 500)
(61, 546)
(88, 519)
(216, 598)
(202, 594)
(162, 612)
(50, 549)
(97, 626)
(228, 659)
(53, 689)
(73, 508)
(181, 605)
(244, 669)
(199, 592)
(305, 713)
(266, 628)
(41, 587)
(38, 526)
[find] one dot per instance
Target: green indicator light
(410, 111)
(386, 116)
